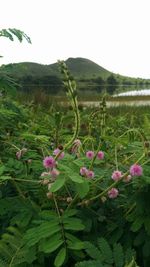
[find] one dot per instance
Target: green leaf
(69, 213)
(93, 251)
(137, 224)
(46, 229)
(76, 178)
(51, 244)
(10, 33)
(57, 184)
(73, 224)
(105, 250)
(60, 258)
(82, 189)
(118, 255)
(73, 242)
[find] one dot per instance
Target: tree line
(52, 84)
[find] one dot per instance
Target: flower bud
(49, 195)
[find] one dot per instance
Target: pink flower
(83, 171)
(113, 193)
(116, 176)
(127, 178)
(90, 154)
(54, 173)
(136, 170)
(49, 162)
(100, 155)
(57, 151)
(90, 174)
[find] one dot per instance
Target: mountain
(90, 77)
(79, 68)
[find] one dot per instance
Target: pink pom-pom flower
(113, 192)
(49, 162)
(90, 174)
(116, 176)
(100, 155)
(90, 154)
(83, 171)
(136, 170)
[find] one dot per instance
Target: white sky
(113, 33)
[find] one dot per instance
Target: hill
(79, 67)
(89, 76)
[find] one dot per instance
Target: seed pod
(60, 147)
(147, 144)
(69, 199)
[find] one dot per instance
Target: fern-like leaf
(106, 251)
(118, 255)
(10, 33)
(93, 251)
(12, 251)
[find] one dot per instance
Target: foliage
(66, 218)
(104, 255)
(10, 33)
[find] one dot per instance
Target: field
(74, 183)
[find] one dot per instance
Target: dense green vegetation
(67, 219)
(74, 182)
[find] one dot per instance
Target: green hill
(90, 77)
(79, 67)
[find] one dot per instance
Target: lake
(135, 92)
(128, 102)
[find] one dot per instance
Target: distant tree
(50, 84)
(111, 84)
(100, 84)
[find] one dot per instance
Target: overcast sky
(113, 33)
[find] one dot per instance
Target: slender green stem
(26, 180)
(60, 220)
